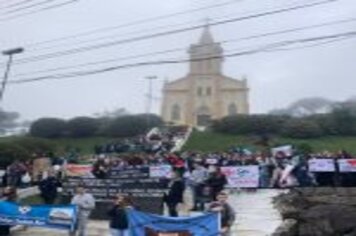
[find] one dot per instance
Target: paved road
(255, 217)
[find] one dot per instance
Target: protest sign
(321, 165)
(286, 149)
(242, 176)
(347, 165)
(211, 161)
(160, 171)
(55, 216)
(78, 170)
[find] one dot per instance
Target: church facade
(205, 93)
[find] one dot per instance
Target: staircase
(256, 215)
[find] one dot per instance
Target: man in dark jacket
(48, 188)
(175, 194)
(216, 181)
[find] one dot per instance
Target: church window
(208, 91)
(200, 91)
(175, 113)
(232, 109)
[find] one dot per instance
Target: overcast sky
(275, 78)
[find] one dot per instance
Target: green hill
(210, 142)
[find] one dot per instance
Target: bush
(344, 120)
(48, 128)
(301, 128)
(10, 152)
(81, 127)
(250, 124)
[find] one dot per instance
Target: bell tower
(206, 56)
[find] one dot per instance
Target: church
(205, 93)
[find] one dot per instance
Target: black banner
(105, 189)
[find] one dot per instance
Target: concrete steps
(255, 217)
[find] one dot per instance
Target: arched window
(200, 91)
(232, 109)
(208, 91)
(175, 112)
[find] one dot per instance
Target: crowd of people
(200, 173)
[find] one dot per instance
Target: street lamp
(149, 97)
(10, 53)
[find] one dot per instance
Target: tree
(128, 126)
(250, 124)
(345, 120)
(7, 120)
(48, 128)
(301, 128)
(81, 127)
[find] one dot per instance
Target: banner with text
(242, 176)
(321, 165)
(55, 216)
(160, 171)
(347, 165)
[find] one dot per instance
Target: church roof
(206, 37)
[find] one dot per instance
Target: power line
(39, 10)
(264, 48)
(76, 43)
(17, 4)
(23, 8)
(256, 36)
(166, 33)
(133, 23)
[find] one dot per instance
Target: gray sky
(276, 78)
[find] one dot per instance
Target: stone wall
(317, 212)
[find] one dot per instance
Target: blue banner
(50, 216)
(142, 224)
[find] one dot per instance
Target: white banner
(161, 171)
(321, 165)
(242, 176)
(347, 165)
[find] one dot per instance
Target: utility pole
(9, 53)
(149, 97)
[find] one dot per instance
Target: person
(198, 177)
(175, 194)
(119, 224)
(227, 212)
(48, 188)
(26, 180)
(9, 194)
(216, 181)
(85, 203)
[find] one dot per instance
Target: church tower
(205, 93)
(206, 56)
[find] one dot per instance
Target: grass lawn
(209, 141)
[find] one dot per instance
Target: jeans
(119, 232)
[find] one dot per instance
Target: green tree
(81, 127)
(131, 125)
(48, 128)
(345, 120)
(301, 128)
